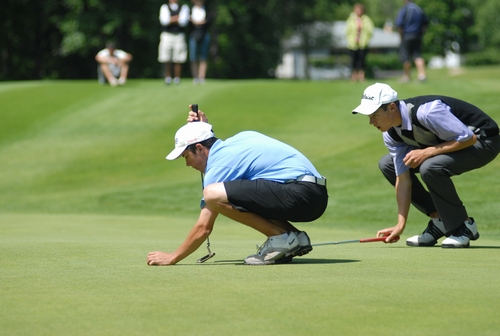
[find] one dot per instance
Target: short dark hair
(384, 106)
(111, 45)
(205, 143)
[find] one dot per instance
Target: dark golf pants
(436, 172)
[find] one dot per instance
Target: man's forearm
(403, 197)
(195, 238)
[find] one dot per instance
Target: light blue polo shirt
(251, 155)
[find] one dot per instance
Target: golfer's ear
(199, 146)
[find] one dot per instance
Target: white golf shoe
(430, 235)
(462, 236)
(305, 244)
(304, 247)
(275, 250)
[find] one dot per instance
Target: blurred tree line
(58, 39)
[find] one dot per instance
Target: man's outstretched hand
(159, 258)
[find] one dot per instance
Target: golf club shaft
(194, 108)
(364, 240)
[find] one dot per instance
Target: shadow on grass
(323, 261)
(484, 247)
(295, 261)
(437, 247)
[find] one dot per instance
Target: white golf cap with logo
(375, 96)
(189, 134)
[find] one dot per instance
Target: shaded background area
(58, 39)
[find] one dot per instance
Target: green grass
(86, 193)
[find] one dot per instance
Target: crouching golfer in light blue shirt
(255, 180)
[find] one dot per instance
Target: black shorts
(295, 202)
(358, 58)
(411, 48)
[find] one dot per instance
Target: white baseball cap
(375, 96)
(189, 134)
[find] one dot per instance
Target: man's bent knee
(430, 168)
(386, 164)
(215, 193)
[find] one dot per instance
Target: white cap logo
(189, 134)
(375, 96)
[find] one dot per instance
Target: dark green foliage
(389, 61)
(486, 57)
(450, 21)
(58, 39)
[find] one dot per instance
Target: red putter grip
(378, 239)
(371, 240)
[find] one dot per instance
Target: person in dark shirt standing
(412, 23)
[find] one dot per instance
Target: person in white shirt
(173, 47)
(113, 65)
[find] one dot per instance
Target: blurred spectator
(172, 50)
(412, 23)
(199, 41)
(113, 65)
(359, 30)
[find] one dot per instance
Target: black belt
(481, 133)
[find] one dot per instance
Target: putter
(208, 256)
(194, 108)
(364, 240)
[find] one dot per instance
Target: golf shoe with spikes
(304, 248)
(461, 237)
(305, 244)
(434, 231)
(275, 249)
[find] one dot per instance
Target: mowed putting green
(86, 193)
